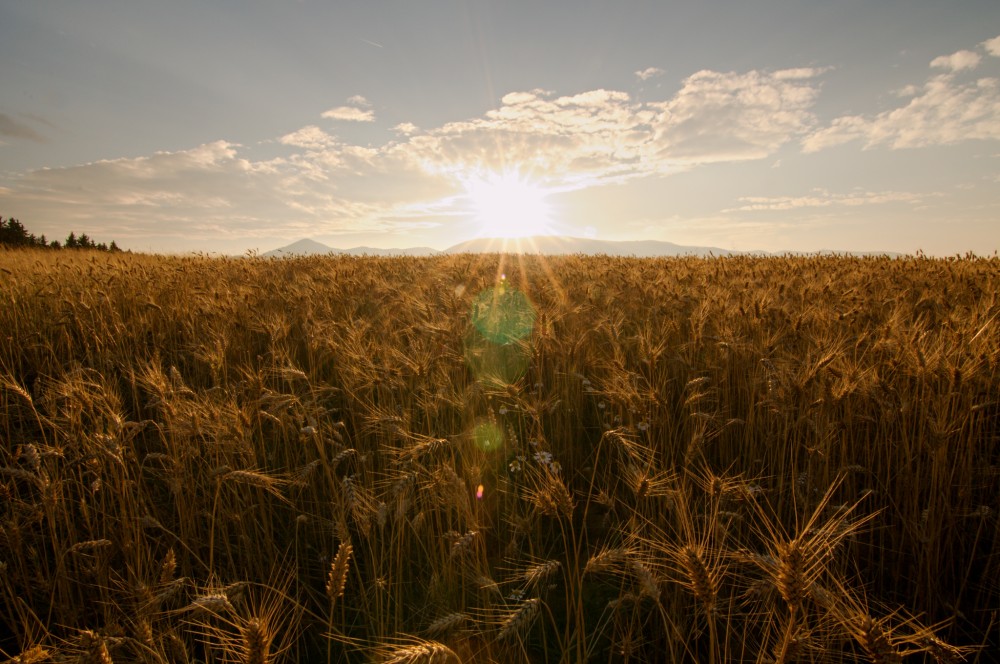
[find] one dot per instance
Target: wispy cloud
(329, 186)
(405, 128)
(310, 137)
(945, 110)
(957, 61)
(731, 116)
(992, 46)
(357, 111)
(206, 194)
(648, 73)
(349, 114)
(15, 129)
(819, 197)
(606, 136)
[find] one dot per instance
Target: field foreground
(498, 459)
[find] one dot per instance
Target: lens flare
(487, 437)
(503, 315)
(506, 205)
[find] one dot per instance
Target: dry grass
(691, 460)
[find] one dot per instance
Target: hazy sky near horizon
(231, 125)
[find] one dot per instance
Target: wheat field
(498, 459)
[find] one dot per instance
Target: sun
(508, 206)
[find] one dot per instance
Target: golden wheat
(182, 436)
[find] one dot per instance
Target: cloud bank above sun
(535, 143)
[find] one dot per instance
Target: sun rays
(507, 205)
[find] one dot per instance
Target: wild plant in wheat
(498, 459)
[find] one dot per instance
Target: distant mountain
(309, 247)
(551, 245)
(304, 247)
(409, 251)
(556, 245)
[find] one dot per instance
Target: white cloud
(648, 73)
(606, 136)
(823, 198)
(944, 112)
(358, 100)
(207, 193)
(992, 46)
(595, 135)
(349, 114)
(328, 186)
(406, 128)
(729, 116)
(957, 61)
(799, 73)
(311, 137)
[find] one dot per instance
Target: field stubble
(492, 459)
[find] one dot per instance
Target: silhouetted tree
(14, 234)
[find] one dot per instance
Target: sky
(756, 125)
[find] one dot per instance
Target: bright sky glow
(507, 206)
(749, 125)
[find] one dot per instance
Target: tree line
(14, 234)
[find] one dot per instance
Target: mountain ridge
(552, 245)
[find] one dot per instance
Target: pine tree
(14, 234)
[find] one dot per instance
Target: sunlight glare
(508, 206)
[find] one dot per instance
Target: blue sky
(778, 125)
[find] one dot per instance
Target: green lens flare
(497, 347)
(488, 437)
(496, 365)
(503, 316)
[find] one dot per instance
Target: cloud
(957, 61)
(328, 186)
(310, 137)
(406, 128)
(15, 129)
(992, 46)
(349, 114)
(559, 140)
(731, 116)
(358, 100)
(648, 73)
(823, 198)
(944, 112)
(178, 199)
(606, 136)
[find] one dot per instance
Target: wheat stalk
(429, 652)
(518, 622)
(702, 580)
(446, 624)
(337, 578)
(256, 641)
